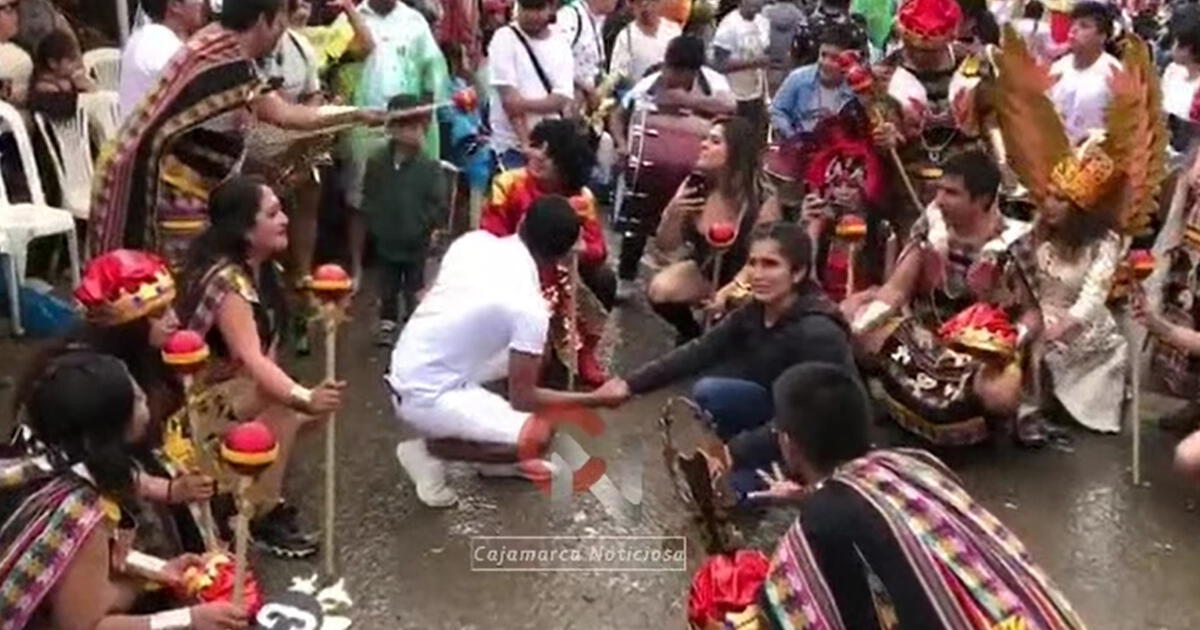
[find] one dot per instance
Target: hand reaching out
(612, 393)
(779, 486)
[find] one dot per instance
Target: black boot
(278, 532)
(680, 316)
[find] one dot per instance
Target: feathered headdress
(1117, 171)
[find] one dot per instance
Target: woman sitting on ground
(722, 190)
(789, 321)
(65, 526)
(234, 295)
(127, 296)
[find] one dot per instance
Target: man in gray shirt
(785, 18)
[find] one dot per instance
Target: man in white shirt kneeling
(484, 320)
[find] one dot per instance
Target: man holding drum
(686, 89)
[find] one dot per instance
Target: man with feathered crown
(1091, 199)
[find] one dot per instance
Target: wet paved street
(1127, 557)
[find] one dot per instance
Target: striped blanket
(44, 522)
(152, 182)
(969, 571)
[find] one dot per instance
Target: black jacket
(741, 346)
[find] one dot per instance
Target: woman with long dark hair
(65, 523)
(127, 298)
(722, 190)
(788, 321)
(234, 295)
(1081, 356)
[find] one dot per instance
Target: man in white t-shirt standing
(642, 44)
(1081, 92)
(152, 46)
(1180, 81)
(582, 24)
(532, 75)
(483, 320)
(739, 49)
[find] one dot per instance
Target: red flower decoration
(929, 22)
(726, 584)
(111, 274)
(981, 329)
(214, 581)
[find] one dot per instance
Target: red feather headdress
(840, 148)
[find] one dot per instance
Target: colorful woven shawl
(210, 77)
(40, 536)
(977, 575)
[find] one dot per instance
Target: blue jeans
(742, 412)
(511, 159)
(735, 405)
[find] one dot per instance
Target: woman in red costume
(561, 158)
(846, 183)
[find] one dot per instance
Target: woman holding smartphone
(723, 189)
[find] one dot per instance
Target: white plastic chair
(21, 223)
(104, 66)
(71, 153)
(103, 115)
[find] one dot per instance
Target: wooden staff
(908, 185)
(851, 254)
(330, 284)
(1135, 412)
(186, 352)
(331, 326)
(862, 82)
(202, 510)
(1141, 265)
(248, 449)
(241, 539)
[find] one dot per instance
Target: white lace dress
(1088, 370)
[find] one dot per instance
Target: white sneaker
(518, 470)
(626, 290)
(427, 472)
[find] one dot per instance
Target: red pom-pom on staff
(185, 350)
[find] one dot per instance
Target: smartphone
(699, 183)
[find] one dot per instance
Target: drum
(662, 152)
(782, 173)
